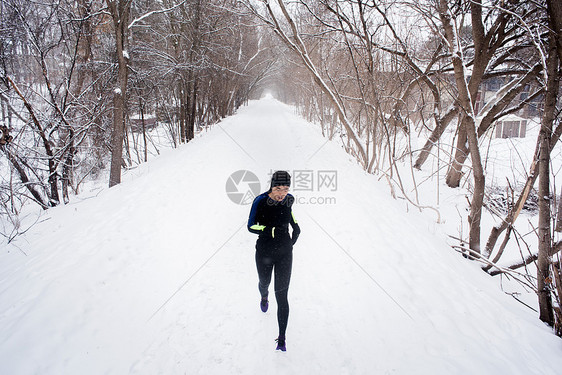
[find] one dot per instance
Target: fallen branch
(530, 259)
(511, 272)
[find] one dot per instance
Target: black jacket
(271, 219)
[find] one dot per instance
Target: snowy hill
(157, 275)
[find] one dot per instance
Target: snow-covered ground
(157, 275)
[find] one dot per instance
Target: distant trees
(194, 61)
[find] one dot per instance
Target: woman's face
(279, 193)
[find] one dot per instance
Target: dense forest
(85, 83)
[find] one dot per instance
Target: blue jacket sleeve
(253, 225)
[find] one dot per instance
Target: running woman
(270, 217)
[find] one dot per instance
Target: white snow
(157, 275)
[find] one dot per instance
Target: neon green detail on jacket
(257, 227)
(262, 227)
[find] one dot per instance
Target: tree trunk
(545, 243)
(192, 112)
(479, 189)
(183, 110)
(141, 104)
(556, 270)
(119, 10)
(455, 172)
(544, 258)
(187, 109)
(440, 127)
(555, 13)
(117, 138)
(67, 169)
(191, 88)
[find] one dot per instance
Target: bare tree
(46, 88)
(467, 122)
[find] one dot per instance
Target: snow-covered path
(157, 275)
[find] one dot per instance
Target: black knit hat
(280, 178)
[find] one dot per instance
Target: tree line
(79, 77)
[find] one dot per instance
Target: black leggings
(280, 260)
